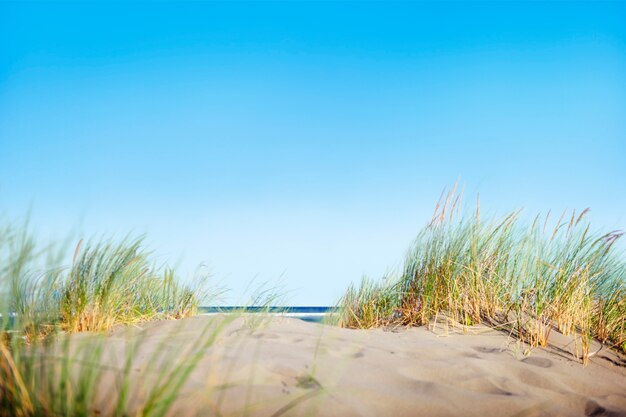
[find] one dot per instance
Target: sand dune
(287, 367)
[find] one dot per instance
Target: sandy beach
(312, 208)
(287, 367)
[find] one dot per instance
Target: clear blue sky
(305, 141)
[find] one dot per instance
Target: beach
(274, 366)
(271, 209)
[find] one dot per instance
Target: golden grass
(498, 271)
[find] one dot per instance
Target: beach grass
(527, 277)
(107, 285)
(87, 374)
(72, 339)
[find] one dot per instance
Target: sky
(304, 145)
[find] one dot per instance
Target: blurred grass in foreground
(107, 284)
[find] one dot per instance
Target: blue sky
(305, 143)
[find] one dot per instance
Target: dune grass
(501, 271)
(110, 284)
(57, 355)
(107, 285)
(80, 375)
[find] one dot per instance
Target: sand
(288, 367)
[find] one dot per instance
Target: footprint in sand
(540, 362)
(592, 408)
(484, 349)
(344, 351)
(262, 335)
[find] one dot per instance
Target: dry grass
(503, 271)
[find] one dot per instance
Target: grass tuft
(500, 270)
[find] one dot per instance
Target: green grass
(504, 271)
(107, 285)
(527, 277)
(55, 353)
(75, 375)
(111, 284)
(369, 305)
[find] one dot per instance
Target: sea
(309, 313)
(314, 314)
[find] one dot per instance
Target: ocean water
(306, 313)
(310, 313)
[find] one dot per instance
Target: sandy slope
(287, 367)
